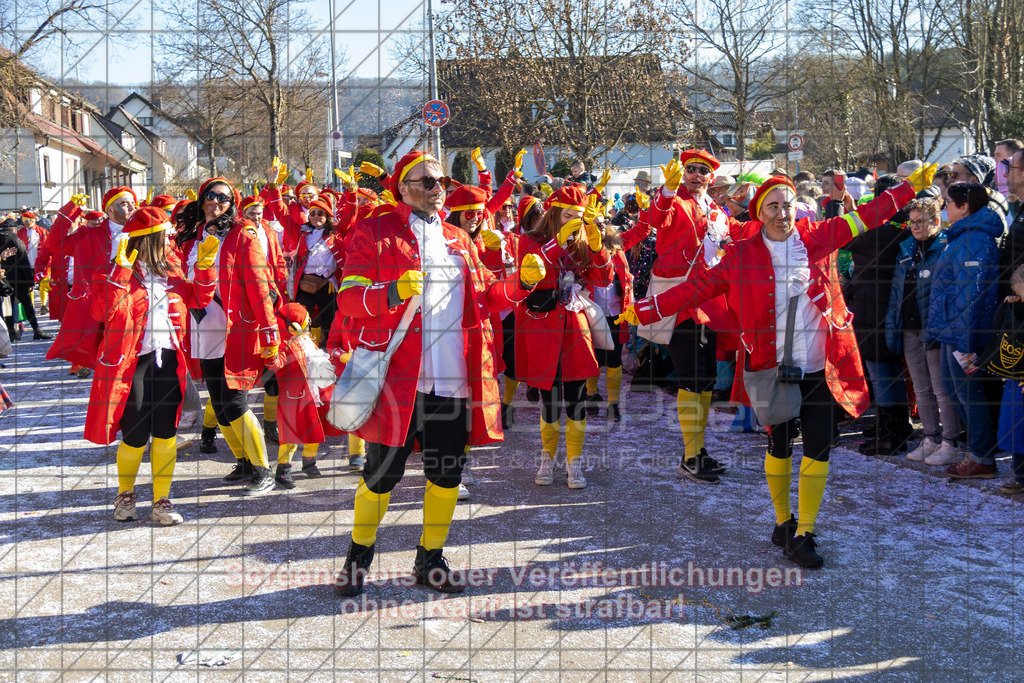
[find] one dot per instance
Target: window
(65, 117)
(728, 140)
(146, 120)
(46, 170)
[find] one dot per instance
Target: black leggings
(441, 425)
(228, 404)
(574, 393)
(693, 355)
(508, 345)
(153, 400)
(323, 304)
(817, 422)
(613, 358)
(269, 380)
(23, 295)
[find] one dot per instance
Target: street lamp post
(436, 134)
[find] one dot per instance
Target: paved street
(640, 576)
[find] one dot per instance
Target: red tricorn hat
(146, 221)
(567, 197)
(698, 156)
(466, 198)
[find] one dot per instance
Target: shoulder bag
(774, 393)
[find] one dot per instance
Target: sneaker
(349, 582)
(594, 404)
(695, 469)
(1012, 487)
(208, 440)
(261, 482)
(310, 469)
(803, 550)
(44, 310)
(467, 475)
(183, 443)
(613, 412)
(356, 463)
(39, 334)
(270, 432)
(923, 450)
(432, 570)
(782, 533)
(241, 471)
(164, 513)
(83, 373)
(574, 474)
(508, 416)
(946, 454)
(464, 493)
(711, 464)
(969, 468)
(283, 476)
(546, 471)
(532, 394)
(124, 507)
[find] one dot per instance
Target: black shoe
(44, 310)
(270, 432)
(532, 394)
(710, 463)
(356, 463)
(432, 570)
(15, 336)
(696, 469)
(784, 532)
(208, 440)
(349, 582)
(261, 482)
(310, 469)
(888, 444)
(243, 470)
(594, 404)
(284, 476)
(801, 549)
(613, 412)
(39, 334)
(507, 416)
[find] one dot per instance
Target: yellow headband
(760, 200)
(115, 198)
(467, 207)
(417, 160)
(257, 200)
(149, 231)
(529, 204)
(560, 205)
(699, 160)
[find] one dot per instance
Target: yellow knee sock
(285, 452)
(163, 454)
(233, 440)
(510, 390)
(705, 413)
(129, 459)
(44, 296)
(250, 433)
(438, 508)
(614, 378)
(778, 472)
(369, 510)
(356, 446)
(574, 432)
(549, 436)
(209, 416)
(309, 450)
(592, 385)
(690, 423)
(811, 487)
(269, 408)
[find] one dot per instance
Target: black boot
(270, 432)
(784, 532)
(594, 404)
(614, 414)
(802, 550)
(432, 570)
(242, 471)
(893, 433)
(310, 469)
(283, 477)
(532, 394)
(507, 415)
(207, 440)
(349, 582)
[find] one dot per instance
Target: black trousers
(228, 404)
(322, 304)
(441, 425)
(269, 380)
(23, 295)
(817, 422)
(613, 358)
(693, 354)
(573, 393)
(153, 400)
(508, 345)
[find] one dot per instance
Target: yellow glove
(190, 194)
(594, 237)
(567, 230)
(478, 159)
(673, 175)
(628, 316)
(121, 258)
(345, 178)
(309, 175)
(344, 357)
(921, 179)
(411, 282)
(150, 194)
(80, 199)
(593, 209)
(606, 175)
(388, 198)
(492, 240)
(642, 200)
(207, 252)
(255, 188)
(531, 270)
(519, 160)
(269, 352)
(282, 173)
(371, 169)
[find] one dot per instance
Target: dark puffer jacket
(965, 282)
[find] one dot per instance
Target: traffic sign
(436, 113)
(539, 160)
(795, 142)
(337, 141)
(796, 155)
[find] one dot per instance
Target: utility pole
(436, 134)
(333, 156)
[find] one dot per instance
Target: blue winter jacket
(925, 270)
(964, 283)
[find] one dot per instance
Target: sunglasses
(430, 182)
(698, 169)
(470, 214)
(313, 213)
(211, 196)
(956, 175)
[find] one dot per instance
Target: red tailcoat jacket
(298, 416)
(380, 250)
(119, 301)
(52, 255)
(746, 277)
(559, 336)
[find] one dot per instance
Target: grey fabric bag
(775, 402)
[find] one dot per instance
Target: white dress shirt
(159, 329)
(793, 277)
(320, 259)
(116, 235)
(443, 365)
(209, 335)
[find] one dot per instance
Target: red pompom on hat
(115, 193)
(94, 215)
(249, 201)
(567, 197)
(164, 201)
(28, 216)
(698, 156)
(525, 204)
(146, 221)
(466, 198)
(754, 207)
(295, 317)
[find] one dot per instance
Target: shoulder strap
(403, 326)
(787, 352)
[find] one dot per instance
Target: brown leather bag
(311, 284)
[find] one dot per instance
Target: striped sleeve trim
(354, 281)
(857, 226)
